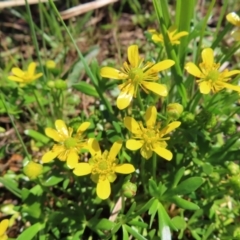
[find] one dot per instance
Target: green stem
(154, 166)
(87, 69)
(15, 127)
(39, 103)
(139, 100)
(142, 173)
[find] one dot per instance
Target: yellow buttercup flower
(173, 35)
(135, 73)
(210, 78)
(103, 167)
(150, 138)
(3, 228)
(68, 147)
(234, 19)
(25, 77)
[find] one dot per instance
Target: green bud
(60, 84)
(33, 170)
(211, 121)
(188, 117)
(50, 64)
(236, 233)
(174, 110)
(215, 177)
(233, 168)
(51, 84)
(235, 182)
(129, 189)
(229, 128)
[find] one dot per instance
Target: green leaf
(131, 209)
(31, 232)
(178, 176)
(53, 180)
(152, 211)
(138, 223)
(105, 224)
(86, 89)
(11, 186)
(134, 233)
(37, 136)
(180, 202)
(125, 233)
(153, 188)
(144, 208)
(187, 186)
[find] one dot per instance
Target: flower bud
(236, 233)
(188, 117)
(51, 84)
(233, 168)
(211, 121)
(229, 128)
(129, 189)
(50, 64)
(215, 177)
(235, 182)
(174, 110)
(33, 170)
(60, 84)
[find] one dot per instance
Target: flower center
(27, 76)
(136, 75)
(70, 143)
(212, 75)
(149, 136)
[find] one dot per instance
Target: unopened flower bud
(188, 117)
(236, 233)
(129, 189)
(233, 168)
(60, 84)
(229, 128)
(50, 64)
(51, 84)
(33, 170)
(235, 182)
(174, 110)
(215, 177)
(211, 121)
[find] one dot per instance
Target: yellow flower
(173, 35)
(103, 167)
(149, 139)
(210, 78)
(234, 19)
(135, 73)
(33, 170)
(68, 146)
(25, 77)
(3, 228)
(50, 64)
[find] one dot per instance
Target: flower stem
(15, 127)
(154, 166)
(139, 100)
(142, 173)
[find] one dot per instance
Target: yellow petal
(115, 150)
(3, 226)
(170, 127)
(159, 89)
(72, 159)
(93, 147)
(61, 127)
(205, 87)
(36, 76)
(133, 144)
(233, 18)
(83, 127)
(31, 68)
(15, 79)
(125, 168)
(109, 72)
(52, 133)
(193, 69)
(207, 56)
(103, 189)
(133, 55)
(82, 169)
(151, 116)
(158, 67)
(232, 87)
(146, 152)
(162, 152)
(125, 96)
(157, 38)
(111, 177)
(231, 73)
(132, 125)
(179, 35)
(49, 156)
(18, 72)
